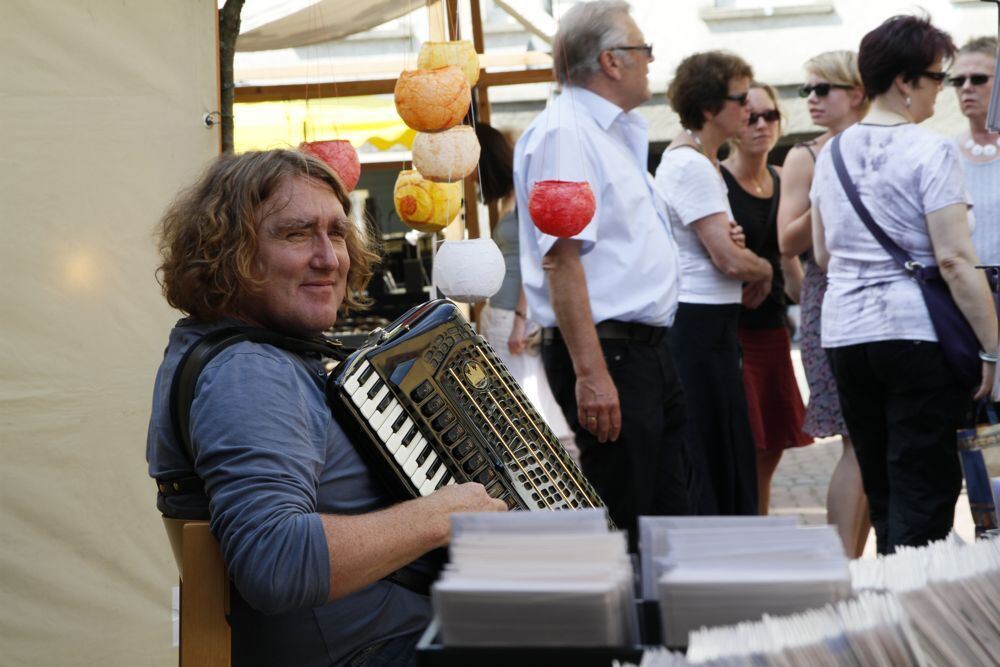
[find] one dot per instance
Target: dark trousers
(902, 406)
(643, 472)
(721, 448)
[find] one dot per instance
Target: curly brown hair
(701, 84)
(208, 236)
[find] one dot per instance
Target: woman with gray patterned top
(901, 399)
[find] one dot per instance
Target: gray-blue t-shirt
(273, 459)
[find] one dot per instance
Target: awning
(281, 24)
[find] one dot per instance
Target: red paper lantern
(341, 157)
(561, 208)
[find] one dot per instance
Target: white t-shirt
(902, 173)
(694, 189)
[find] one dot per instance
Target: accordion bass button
(422, 391)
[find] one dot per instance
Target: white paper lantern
(469, 271)
(446, 156)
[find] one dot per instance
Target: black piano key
(432, 406)
(365, 374)
(422, 391)
(422, 456)
(445, 479)
(376, 388)
(410, 435)
(443, 420)
(432, 470)
(398, 424)
(452, 435)
(384, 403)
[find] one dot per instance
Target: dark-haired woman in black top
(774, 403)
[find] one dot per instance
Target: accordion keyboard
(429, 403)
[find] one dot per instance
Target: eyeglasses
(937, 77)
(974, 79)
(648, 48)
(770, 116)
(821, 89)
(740, 99)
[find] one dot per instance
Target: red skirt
(774, 403)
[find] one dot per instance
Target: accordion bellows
(428, 403)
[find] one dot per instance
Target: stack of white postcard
(536, 579)
(723, 575)
(936, 606)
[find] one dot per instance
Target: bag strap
(900, 256)
(209, 346)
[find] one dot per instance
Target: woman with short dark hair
(901, 398)
(710, 92)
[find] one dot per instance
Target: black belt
(632, 332)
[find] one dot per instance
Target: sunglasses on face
(936, 77)
(974, 79)
(740, 99)
(770, 116)
(648, 48)
(821, 89)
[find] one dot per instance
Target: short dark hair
(903, 45)
(496, 163)
(208, 236)
(701, 84)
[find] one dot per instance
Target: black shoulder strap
(208, 347)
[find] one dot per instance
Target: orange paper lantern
(341, 157)
(431, 100)
(459, 52)
(423, 204)
(446, 156)
(561, 208)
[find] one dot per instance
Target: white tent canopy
(281, 24)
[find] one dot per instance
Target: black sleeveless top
(758, 217)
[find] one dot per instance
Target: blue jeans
(396, 652)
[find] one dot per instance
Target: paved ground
(800, 483)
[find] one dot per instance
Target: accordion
(436, 406)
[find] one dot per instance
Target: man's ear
(610, 65)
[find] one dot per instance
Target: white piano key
(410, 457)
(431, 484)
(368, 407)
(384, 430)
(419, 476)
(361, 395)
(377, 418)
(395, 441)
(351, 385)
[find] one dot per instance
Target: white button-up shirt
(628, 254)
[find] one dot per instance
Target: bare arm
(516, 339)
(366, 547)
(956, 258)
(820, 253)
(738, 263)
(794, 222)
(791, 269)
(596, 394)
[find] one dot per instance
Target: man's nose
(324, 253)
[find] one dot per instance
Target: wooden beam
(517, 77)
(436, 20)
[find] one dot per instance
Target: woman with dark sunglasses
(972, 78)
(901, 398)
(774, 403)
(710, 92)
(836, 100)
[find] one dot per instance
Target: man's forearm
(571, 304)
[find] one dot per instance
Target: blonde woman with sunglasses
(836, 100)
(972, 78)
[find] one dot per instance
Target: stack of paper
(938, 606)
(536, 579)
(717, 576)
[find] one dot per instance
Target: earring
(908, 102)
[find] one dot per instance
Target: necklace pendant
(977, 150)
(989, 150)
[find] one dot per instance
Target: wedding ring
(592, 418)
